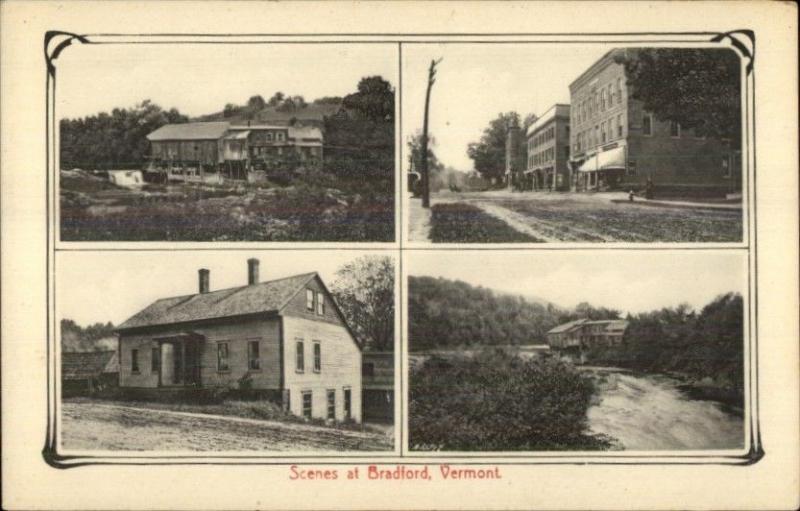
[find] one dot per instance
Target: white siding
(341, 366)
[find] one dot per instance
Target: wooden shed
(83, 373)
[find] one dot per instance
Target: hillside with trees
(448, 314)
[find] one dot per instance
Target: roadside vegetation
(464, 223)
(497, 401)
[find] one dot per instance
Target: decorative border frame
(741, 41)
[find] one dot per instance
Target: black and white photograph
(571, 143)
(215, 351)
(227, 142)
(569, 351)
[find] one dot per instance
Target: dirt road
(580, 217)
(97, 426)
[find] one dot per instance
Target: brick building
(548, 145)
(617, 144)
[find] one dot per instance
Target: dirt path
(97, 426)
(419, 221)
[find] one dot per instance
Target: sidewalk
(419, 221)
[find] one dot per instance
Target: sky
(96, 287)
(201, 78)
(476, 82)
(630, 280)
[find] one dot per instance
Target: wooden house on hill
(285, 340)
(203, 150)
(83, 373)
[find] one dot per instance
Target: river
(652, 413)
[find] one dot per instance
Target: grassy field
(93, 209)
(101, 425)
(464, 223)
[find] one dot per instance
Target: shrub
(497, 401)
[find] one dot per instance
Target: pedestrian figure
(630, 195)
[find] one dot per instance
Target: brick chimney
(203, 279)
(252, 271)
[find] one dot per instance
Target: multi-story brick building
(616, 143)
(548, 151)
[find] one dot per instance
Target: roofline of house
(182, 324)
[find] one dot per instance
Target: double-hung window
(317, 357)
(222, 356)
(310, 299)
(300, 363)
(134, 361)
(253, 355)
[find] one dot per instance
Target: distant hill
(314, 113)
(448, 313)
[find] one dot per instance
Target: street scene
(611, 145)
(191, 154)
(154, 360)
(571, 358)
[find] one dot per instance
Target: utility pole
(426, 193)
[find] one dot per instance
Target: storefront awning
(607, 160)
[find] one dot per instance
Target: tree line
(115, 140)
(358, 144)
(707, 346)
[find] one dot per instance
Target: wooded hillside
(446, 313)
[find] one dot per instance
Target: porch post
(183, 361)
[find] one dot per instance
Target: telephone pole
(426, 193)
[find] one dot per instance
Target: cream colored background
(30, 484)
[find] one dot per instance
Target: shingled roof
(88, 364)
(264, 297)
(190, 131)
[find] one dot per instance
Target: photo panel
(576, 143)
(225, 140)
(601, 354)
(226, 354)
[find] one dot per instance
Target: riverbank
(654, 412)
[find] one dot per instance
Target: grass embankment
(307, 210)
(464, 223)
(497, 401)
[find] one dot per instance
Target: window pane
(317, 357)
(320, 304)
(332, 404)
(309, 299)
(254, 356)
(135, 360)
(222, 356)
(300, 360)
(307, 403)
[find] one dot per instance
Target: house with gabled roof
(585, 333)
(285, 340)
